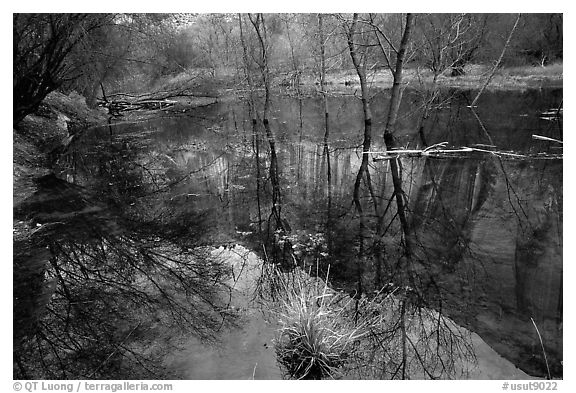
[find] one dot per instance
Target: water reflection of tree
(534, 208)
(277, 245)
(484, 229)
(387, 238)
(450, 195)
(326, 149)
(448, 204)
(402, 265)
(115, 283)
(417, 221)
(534, 223)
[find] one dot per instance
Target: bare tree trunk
(295, 65)
(256, 137)
(259, 24)
(360, 67)
(390, 140)
(327, 130)
(260, 28)
(497, 62)
(253, 115)
(475, 101)
(396, 94)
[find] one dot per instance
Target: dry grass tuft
(314, 339)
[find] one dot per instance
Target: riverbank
(228, 84)
(41, 136)
(511, 78)
(38, 140)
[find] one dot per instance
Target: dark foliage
(42, 45)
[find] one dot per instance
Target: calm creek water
(489, 229)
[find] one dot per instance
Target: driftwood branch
(441, 151)
(545, 138)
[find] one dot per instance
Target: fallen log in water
(545, 138)
(379, 156)
(156, 104)
(124, 106)
(441, 151)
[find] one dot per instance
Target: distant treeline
(84, 51)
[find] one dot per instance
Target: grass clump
(315, 338)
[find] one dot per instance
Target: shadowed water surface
(488, 228)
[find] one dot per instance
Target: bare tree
(42, 47)
(358, 52)
(450, 41)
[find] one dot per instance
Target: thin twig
(497, 62)
(254, 371)
(114, 352)
(542, 345)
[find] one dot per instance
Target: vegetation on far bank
(519, 77)
(200, 56)
(99, 54)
